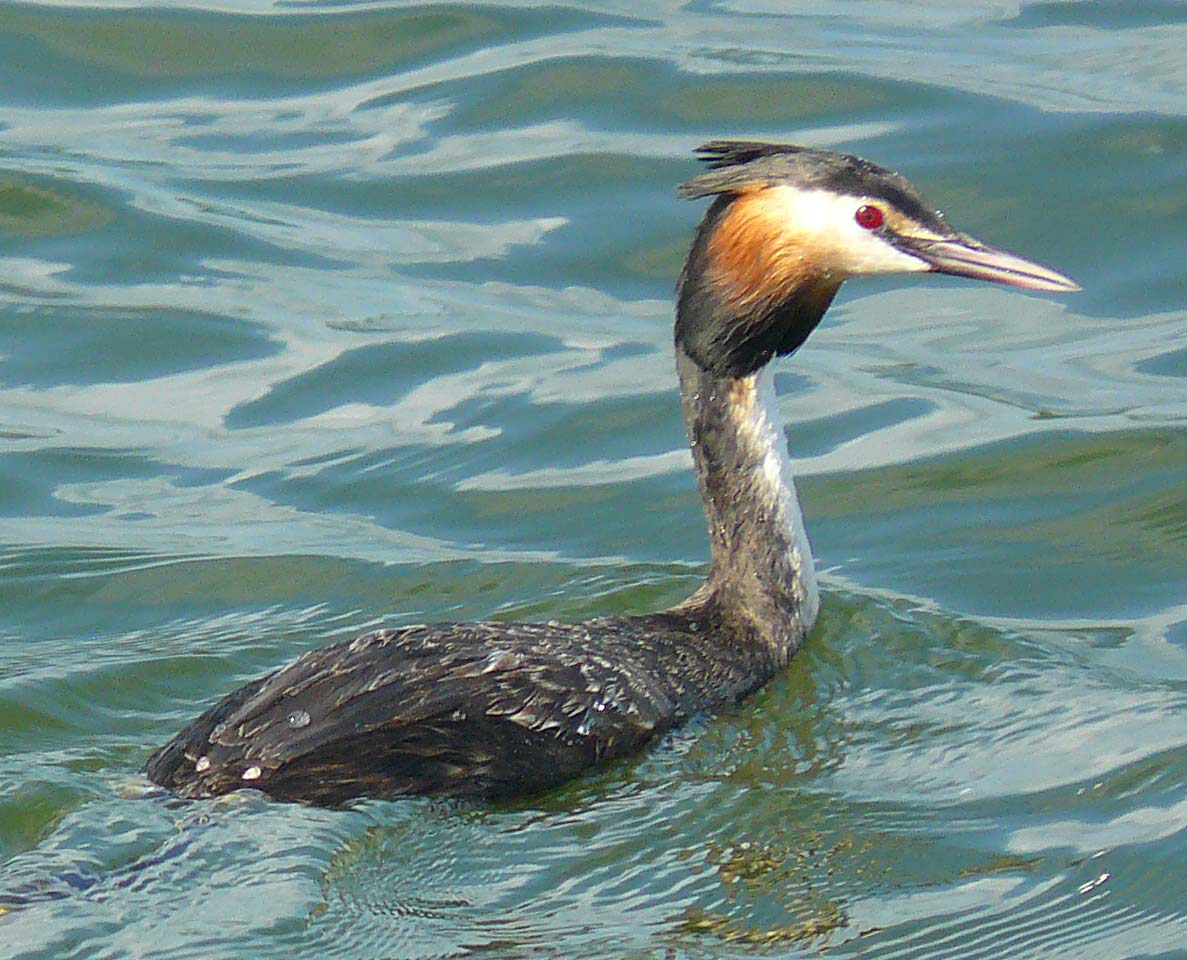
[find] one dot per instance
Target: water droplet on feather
(500, 661)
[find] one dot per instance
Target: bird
(494, 710)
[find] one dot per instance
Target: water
(315, 317)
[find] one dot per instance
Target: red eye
(869, 217)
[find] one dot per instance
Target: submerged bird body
(492, 709)
(495, 709)
(482, 709)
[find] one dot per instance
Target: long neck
(745, 296)
(762, 575)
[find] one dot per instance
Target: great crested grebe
(497, 709)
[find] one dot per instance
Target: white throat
(775, 474)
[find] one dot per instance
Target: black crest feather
(730, 153)
(740, 165)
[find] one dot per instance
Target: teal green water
(319, 316)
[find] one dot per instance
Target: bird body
(494, 709)
(477, 709)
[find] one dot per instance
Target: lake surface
(321, 316)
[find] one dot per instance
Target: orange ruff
(755, 259)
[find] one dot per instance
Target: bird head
(788, 225)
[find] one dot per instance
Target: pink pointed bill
(966, 257)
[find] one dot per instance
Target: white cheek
(824, 223)
(865, 253)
